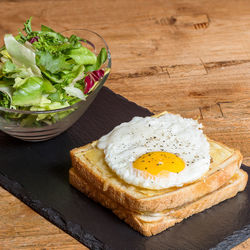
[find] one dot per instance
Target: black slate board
(37, 173)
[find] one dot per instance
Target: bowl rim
(100, 84)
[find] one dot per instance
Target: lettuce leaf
(56, 97)
(5, 53)
(6, 91)
(101, 59)
(18, 82)
(71, 89)
(21, 55)
(53, 63)
(82, 55)
(76, 92)
(49, 118)
(8, 67)
(31, 92)
(11, 70)
(22, 73)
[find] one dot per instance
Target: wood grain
(187, 57)
(22, 228)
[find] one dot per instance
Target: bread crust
(148, 224)
(155, 203)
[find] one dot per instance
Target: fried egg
(157, 152)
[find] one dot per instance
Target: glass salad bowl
(31, 126)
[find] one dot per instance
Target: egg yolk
(158, 163)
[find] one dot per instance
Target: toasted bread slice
(90, 163)
(153, 223)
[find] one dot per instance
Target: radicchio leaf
(93, 77)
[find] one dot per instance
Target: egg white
(169, 133)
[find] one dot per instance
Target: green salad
(44, 70)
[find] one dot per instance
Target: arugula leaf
(27, 26)
(101, 59)
(21, 37)
(46, 28)
(74, 40)
(5, 100)
(48, 31)
(52, 42)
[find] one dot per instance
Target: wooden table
(188, 57)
